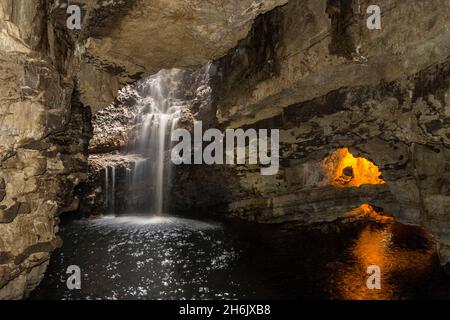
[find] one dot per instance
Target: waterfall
(113, 189)
(137, 180)
(110, 189)
(156, 116)
(106, 188)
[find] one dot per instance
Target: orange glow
(377, 246)
(367, 211)
(343, 170)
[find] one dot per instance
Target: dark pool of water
(176, 258)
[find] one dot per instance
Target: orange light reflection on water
(384, 246)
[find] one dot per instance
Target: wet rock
(2, 189)
(115, 127)
(51, 78)
(186, 34)
(382, 94)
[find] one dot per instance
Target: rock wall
(315, 71)
(43, 146)
(310, 68)
(50, 78)
(124, 41)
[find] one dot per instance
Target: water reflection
(401, 260)
(175, 258)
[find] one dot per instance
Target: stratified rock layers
(327, 81)
(310, 68)
(50, 76)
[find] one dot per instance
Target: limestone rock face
(43, 142)
(123, 41)
(97, 191)
(116, 126)
(300, 58)
(50, 79)
(309, 68)
(326, 81)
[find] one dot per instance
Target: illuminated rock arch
(343, 170)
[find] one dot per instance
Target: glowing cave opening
(343, 170)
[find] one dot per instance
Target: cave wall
(52, 77)
(311, 68)
(300, 63)
(43, 145)
(315, 71)
(124, 41)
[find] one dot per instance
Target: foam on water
(154, 221)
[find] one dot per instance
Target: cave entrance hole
(343, 170)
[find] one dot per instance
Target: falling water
(113, 189)
(110, 189)
(145, 169)
(157, 115)
(106, 188)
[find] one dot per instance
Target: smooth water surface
(165, 257)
